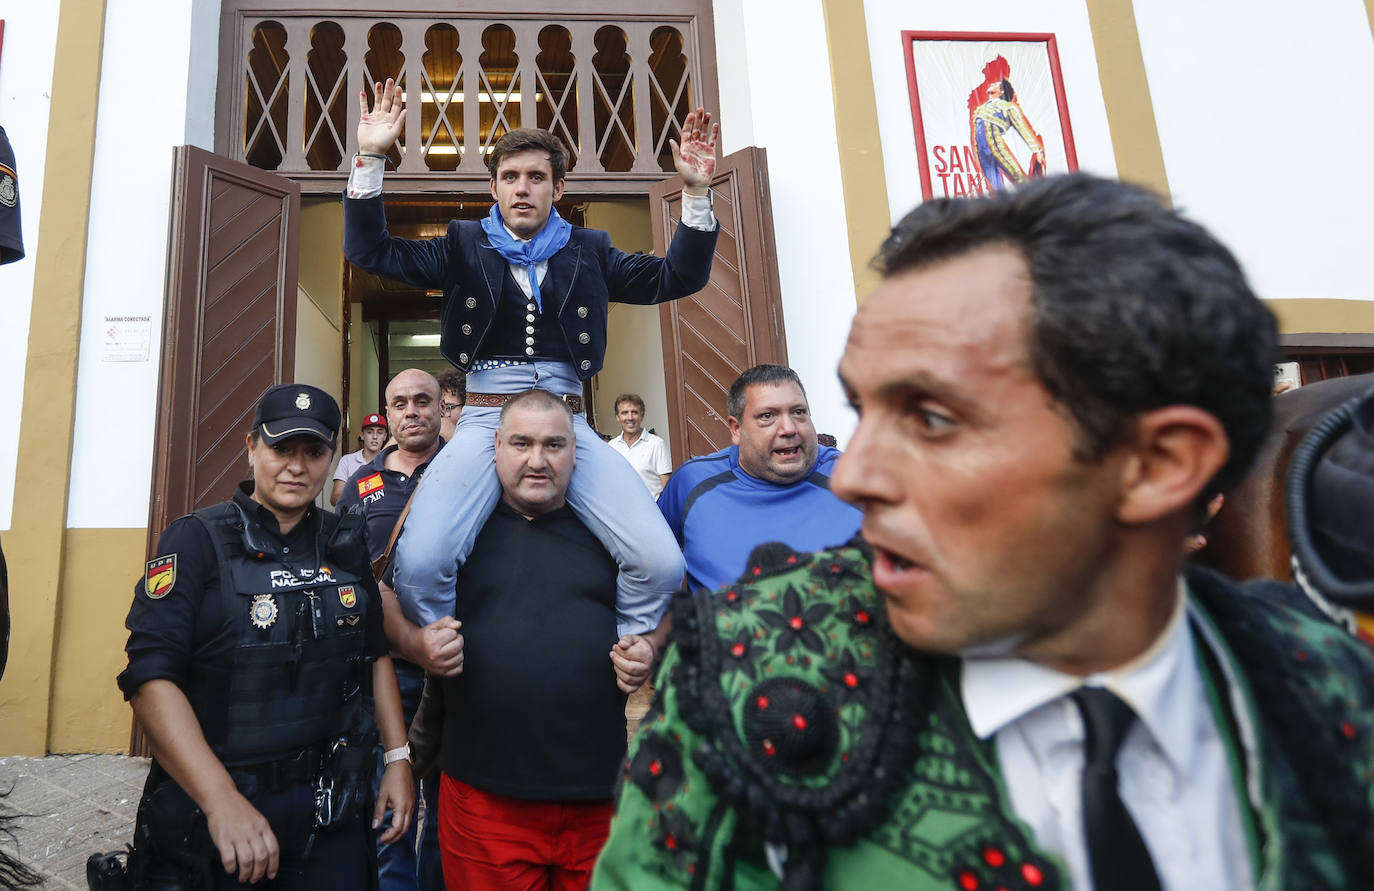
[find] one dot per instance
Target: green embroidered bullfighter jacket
(795, 742)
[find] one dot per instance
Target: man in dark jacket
(526, 302)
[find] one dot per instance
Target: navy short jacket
(583, 278)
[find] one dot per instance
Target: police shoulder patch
(159, 575)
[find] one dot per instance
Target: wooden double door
(229, 321)
(229, 327)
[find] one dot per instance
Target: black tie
(1116, 852)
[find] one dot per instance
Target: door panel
(229, 329)
(735, 322)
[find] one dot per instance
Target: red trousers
(506, 844)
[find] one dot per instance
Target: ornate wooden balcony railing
(614, 87)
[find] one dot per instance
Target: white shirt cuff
(365, 179)
(696, 212)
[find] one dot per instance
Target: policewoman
(256, 655)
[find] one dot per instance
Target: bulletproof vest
(300, 673)
(521, 331)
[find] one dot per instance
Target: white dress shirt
(1175, 774)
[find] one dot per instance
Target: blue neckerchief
(546, 242)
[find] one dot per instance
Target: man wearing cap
(373, 437)
(527, 297)
(381, 489)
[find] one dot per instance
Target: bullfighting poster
(988, 110)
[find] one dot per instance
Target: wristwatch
(391, 756)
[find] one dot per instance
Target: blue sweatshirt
(720, 513)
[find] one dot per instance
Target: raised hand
(695, 158)
(379, 128)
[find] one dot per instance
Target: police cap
(296, 410)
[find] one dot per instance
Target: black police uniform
(271, 637)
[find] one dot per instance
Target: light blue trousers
(460, 489)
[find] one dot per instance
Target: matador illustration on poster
(993, 110)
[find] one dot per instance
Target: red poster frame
(909, 39)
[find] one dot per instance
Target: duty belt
(278, 774)
(496, 400)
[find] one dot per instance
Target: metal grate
(613, 88)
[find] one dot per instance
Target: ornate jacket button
(529, 307)
(529, 318)
(472, 302)
(586, 363)
(529, 340)
(529, 329)
(529, 351)
(582, 312)
(467, 329)
(584, 337)
(463, 357)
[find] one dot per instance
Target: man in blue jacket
(526, 302)
(772, 484)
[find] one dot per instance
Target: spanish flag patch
(159, 575)
(369, 484)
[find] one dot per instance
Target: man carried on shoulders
(526, 302)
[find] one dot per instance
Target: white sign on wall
(126, 338)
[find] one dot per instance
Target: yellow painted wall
(321, 256)
(363, 363)
(634, 353)
(862, 174)
(87, 713)
(1126, 93)
(36, 547)
(1324, 316)
(319, 304)
(319, 351)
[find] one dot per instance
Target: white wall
(319, 358)
(319, 361)
(776, 93)
(364, 396)
(143, 115)
(1067, 21)
(634, 352)
(1264, 123)
(26, 68)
